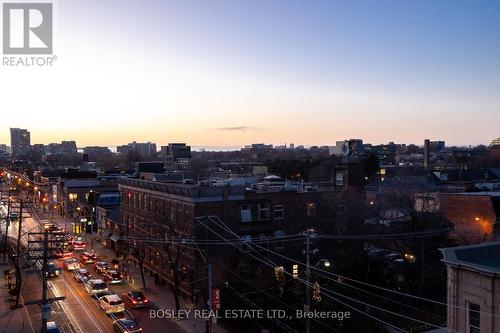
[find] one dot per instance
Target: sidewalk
(161, 296)
(11, 321)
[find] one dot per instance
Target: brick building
(473, 214)
(267, 214)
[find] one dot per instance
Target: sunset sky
(230, 73)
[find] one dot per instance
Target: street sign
(216, 299)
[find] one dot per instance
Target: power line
(224, 226)
(274, 265)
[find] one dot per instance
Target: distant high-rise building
(95, 153)
(38, 149)
(20, 141)
(69, 147)
(437, 146)
(4, 150)
(495, 143)
(143, 149)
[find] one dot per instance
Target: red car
(79, 245)
(135, 299)
(64, 254)
(112, 276)
(88, 258)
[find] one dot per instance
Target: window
(279, 212)
(295, 271)
(246, 213)
(311, 209)
(279, 274)
(474, 318)
(246, 243)
(263, 241)
(339, 179)
(244, 270)
(263, 211)
(278, 242)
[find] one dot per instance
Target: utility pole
(20, 227)
(209, 321)
(308, 275)
(45, 303)
(18, 252)
(7, 222)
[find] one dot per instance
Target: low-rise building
(474, 215)
(265, 213)
(473, 288)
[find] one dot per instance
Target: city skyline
(227, 74)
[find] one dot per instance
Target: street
(78, 313)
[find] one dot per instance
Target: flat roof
(483, 257)
(484, 193)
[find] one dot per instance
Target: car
(52, 327)
(62, 253)
(112, 276)
(111, 304)
(95, 286)
(13, 216)
(135, 299)
(379, 253)
(104, 293)
(53, 270)
(388, 258)
(71, 264)
(88, 258)
(81, 275)
(126, 325)
(79, 245)
(101, 266)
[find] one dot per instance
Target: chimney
(427, 146)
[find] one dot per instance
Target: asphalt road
(78, 313)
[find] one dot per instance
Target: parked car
(52, 327)
(111, 304)
(379, 253)
(388, 258)
(88, 258)
(112, 276)
(81, 275)
(126, 325)
(71, 264)
(135, 299)
(101, 266)
(94, 286)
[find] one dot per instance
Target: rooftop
(483, 257)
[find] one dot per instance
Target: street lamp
(326, 263)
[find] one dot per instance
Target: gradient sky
(229, 73)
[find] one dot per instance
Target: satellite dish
(346, 150)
